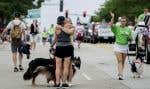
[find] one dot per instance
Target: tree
(9, 7)
(129, 8)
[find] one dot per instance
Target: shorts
(33, 38)
(15, 48)
(120, 48)
(44, 39)
(64, 51)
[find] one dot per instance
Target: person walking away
(123, 35)
(44, 36)
(79, 34)
(17, 28)
(34, 30)
(64, 50)
(51, 32)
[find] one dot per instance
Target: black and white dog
(138, 64)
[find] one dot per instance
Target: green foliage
(129, 8)
(95, 19)
(9, 7)
(39, 3)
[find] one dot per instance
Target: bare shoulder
(69, 26)
(58, 27)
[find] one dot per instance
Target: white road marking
(87, 77)
(100, 57)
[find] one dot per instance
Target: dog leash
(128, 58)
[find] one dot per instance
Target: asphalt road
(98, 70)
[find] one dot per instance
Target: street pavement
(98, 70)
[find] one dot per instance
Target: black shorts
(44, 39)
(64, 51)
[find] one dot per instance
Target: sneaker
(16, 69)
(20, 68)
(120, 77)
(65, 85)
(57, 85)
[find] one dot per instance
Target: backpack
(16, 33)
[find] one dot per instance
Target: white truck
(105, 34)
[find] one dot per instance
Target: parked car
(87, 34)
(105, 34)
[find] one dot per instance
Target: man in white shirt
(15, 46)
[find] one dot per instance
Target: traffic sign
(34, 13)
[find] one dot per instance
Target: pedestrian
(34, 30)
(17, 28)
(51, 32)
(94, 36)
(64, 51)
(142, 16)
(44, 36)
(79, 34)
(69, 25)
(123, 36)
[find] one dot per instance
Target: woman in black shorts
(64, 51)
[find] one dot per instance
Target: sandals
(20, 68)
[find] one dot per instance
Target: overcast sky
(78, 6)
(83, 5)
(50, 10)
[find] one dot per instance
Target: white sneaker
(120, 77)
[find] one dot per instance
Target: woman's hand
(69, 28)
(112, 14)
(58, 29)
(112, 18)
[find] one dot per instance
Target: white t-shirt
(79, 29)
(16, 22)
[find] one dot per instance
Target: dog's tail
(27, 75)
